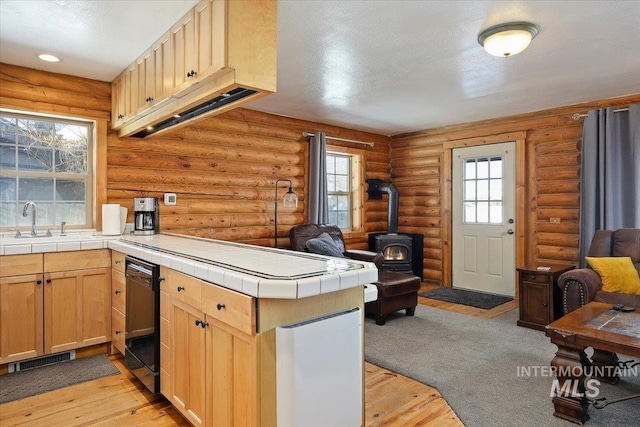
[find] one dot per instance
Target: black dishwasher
(142, 331)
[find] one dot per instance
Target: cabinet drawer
(77, 260)
(17, 265)
(117, 329)
(182, 287)
(118, 289)
(117, 261)
(233, 308)
(534, 277)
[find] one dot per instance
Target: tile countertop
(253, 270)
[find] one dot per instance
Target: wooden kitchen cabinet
(118, 301)
(21, 320)
(540, 297)
(211, 366)
(63, 303)
(218, 46)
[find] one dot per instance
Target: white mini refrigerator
(319, 364)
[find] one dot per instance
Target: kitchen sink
(27, 239)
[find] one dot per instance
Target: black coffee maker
(145, 215)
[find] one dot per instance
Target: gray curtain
(610, 173)
(317, 205)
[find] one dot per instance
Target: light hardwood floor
(121, 400)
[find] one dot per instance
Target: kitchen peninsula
(221, 304)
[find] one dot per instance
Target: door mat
(465, 297)
(39, 380)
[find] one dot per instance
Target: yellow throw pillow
(618, 274)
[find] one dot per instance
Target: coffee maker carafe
(145, 215)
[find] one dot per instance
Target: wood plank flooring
(121, 400)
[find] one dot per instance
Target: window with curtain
(47, 161)
(344, 178)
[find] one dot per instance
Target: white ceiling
(383, 66)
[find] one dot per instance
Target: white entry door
(483, 212)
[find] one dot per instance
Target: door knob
(510, 231)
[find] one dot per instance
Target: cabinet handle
(38, 282)
(180, 288)
(160, 279)
(117, 332)
(118, 292)
(150, 99)
(532, 277)
(544, 304)
(201, 323)
(120, 116)
(191, 73)
(117, 261)
(220, 306)
(48, 280)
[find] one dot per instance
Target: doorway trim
(446, 189)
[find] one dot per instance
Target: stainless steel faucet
(25, 209)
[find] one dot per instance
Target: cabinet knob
(118, 261)
(532, 277)
(180, 288)
(39, 282)
(201, 323)
(118, 292)
(220, 306)
(120, 116)
(150, 99)
(544, 304)
(48, 280)
(191, 73)
(160, 279)
(117, 332)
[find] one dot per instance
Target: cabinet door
(21, 321)
(183, 40)
(118, 102)
(188, 358)
(162, 54)
(210, 27)
(535, 302)
(233, 385)
(77, 309)
(130, 91)
(144, 74)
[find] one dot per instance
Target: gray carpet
(52, 377)
(474, 364)
(466, 297)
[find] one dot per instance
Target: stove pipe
(376, 188)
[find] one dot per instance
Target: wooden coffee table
(608, 332)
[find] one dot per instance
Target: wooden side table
(540, 297)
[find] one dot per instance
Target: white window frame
(356, 159)
(89, 177)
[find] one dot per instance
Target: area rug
(39, 380)
(466, 297)
(479, 366)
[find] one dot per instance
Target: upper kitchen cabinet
(220, 55)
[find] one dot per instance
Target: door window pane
(482, 182)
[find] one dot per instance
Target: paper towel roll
(110, 220)
(123, 219)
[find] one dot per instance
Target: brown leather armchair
(396, 291)
(583, 285)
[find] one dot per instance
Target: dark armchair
(583, 285)
(396, 291)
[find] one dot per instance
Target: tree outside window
(45, 161)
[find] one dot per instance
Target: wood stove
(396, 248)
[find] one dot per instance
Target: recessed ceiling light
(48, 58)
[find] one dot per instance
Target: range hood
(205, 109)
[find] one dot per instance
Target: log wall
(552, 184)
(223, 170)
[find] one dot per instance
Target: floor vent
(41, 361)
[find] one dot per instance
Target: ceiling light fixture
(507, 39)
(48, 58)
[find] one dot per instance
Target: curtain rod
(578, 116)
(370, 144)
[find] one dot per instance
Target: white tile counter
(253, 270)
